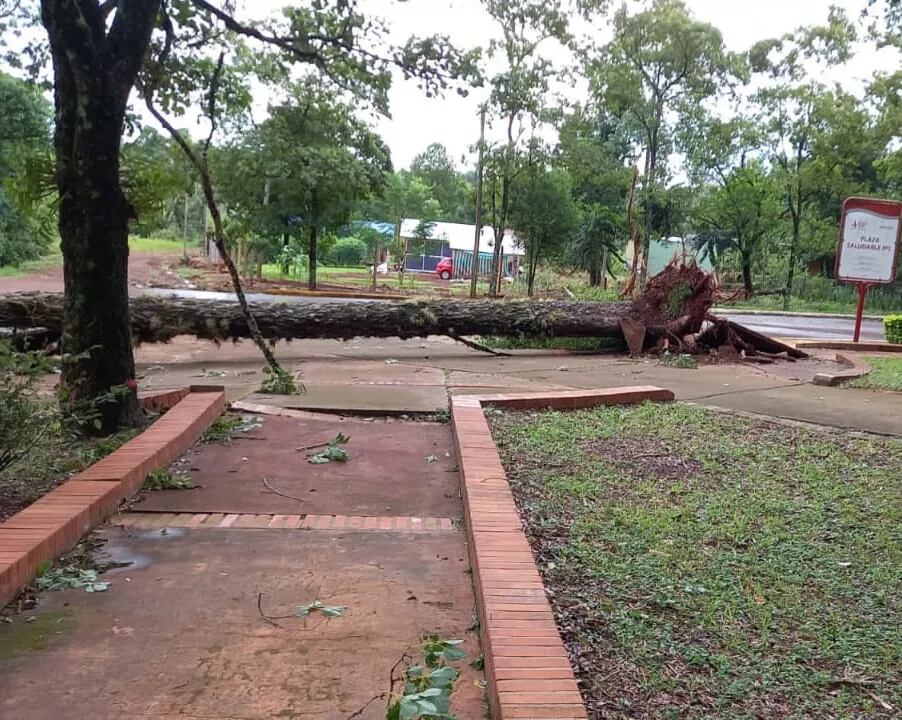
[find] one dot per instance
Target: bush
(347, 252)
(892, 327)
(23, 419)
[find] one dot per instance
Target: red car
(444, 269)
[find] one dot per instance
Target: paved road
(800, 326)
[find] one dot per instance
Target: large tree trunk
(158, 319)
(94, 71)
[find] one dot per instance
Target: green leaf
(408, 709)
(426, 708)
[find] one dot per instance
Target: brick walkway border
(386, 523)
(57, 521)
(527, 666)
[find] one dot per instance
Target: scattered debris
(269, 487)
(303, 612)
(69, 576)
(333, 452)
(164, 480)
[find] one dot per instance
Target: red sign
(868, 252)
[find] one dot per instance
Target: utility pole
(475, 269)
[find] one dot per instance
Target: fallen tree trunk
(158, 319)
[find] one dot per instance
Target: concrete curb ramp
(527, 666)
(56, 522)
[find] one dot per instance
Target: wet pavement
(179, 634)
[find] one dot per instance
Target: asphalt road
(803, 326)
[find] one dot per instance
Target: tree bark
(159, 319)
(747, 275)
(311, 259)
(95, 67)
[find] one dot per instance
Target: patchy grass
(57, 455)
(886, 374)
(711, 566)
(165, 479)
(154, 245)
(227, 426)
(559, 343)
(30, 267)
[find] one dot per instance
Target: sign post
(868, 250)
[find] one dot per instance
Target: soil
(144, 270)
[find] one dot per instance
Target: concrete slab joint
(56, 522)
(527, 666)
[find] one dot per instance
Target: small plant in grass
(426, 687)
(279, 382)
(165, 480)
(69, 576)
(680, 360)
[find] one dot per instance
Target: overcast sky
(417, 121)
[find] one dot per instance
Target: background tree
(517, 97)
(315, 160)
(593, 150)
(794, 112)
(545, 215)
(26, 216)
(738, 201)
(450, 189)
(661, 61)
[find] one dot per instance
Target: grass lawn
(704, 565)
(886, 374)
(356, 277)
(33, 266)
(559, 343)
(154, 245)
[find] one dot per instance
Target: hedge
(892, 327)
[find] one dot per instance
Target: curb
(57, 521)
(835, 316)
(527, 666)
(850, 346)
(857, 368)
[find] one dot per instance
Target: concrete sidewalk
(187, 629)
(394, 376)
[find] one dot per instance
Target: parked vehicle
(444, 269)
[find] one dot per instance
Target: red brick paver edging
(54, 523)
(270, 521)
(527, 666)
